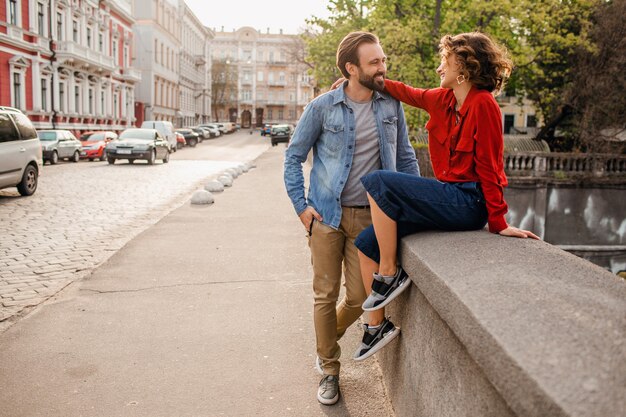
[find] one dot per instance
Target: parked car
(229, 126)
(221, 127)
(180, 141)
(59, 144)
(212, 127)
(280, 133)
(165, 128)
(202, 132)
(20, 152)
(134, 144)
(191, 137)
(94, 144)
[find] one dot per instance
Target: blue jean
(418, 204)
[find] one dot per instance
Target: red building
(67, 63)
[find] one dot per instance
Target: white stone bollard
(202, 197)
(214, 186)
(233, 172)
(226, 180)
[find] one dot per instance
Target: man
(353, 130)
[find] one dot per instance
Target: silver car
(59, 144)
(20, 152)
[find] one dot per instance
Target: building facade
(194, 70)
(272, 87)
(173, 56)
(68, 63)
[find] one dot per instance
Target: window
(270, 77)
(272, 56)
(62, 97)
(115, 103)
(102, 95)
(59, 26)
(292, 97)
(44, 94)
(27, 131)
(531, 120)
(76, 99)
(91, 101)
(8, 132)
(125, 62)
(269, 114)
(509, 122)
(292, 114)
(114, 52)
(259, 56)
(101, 42)
(13, 18)
(156, 48)
(40, 19)
(75, 31)
(89, 37)
(280, 114)
(259, 76)
(281, 76)
(17, 90)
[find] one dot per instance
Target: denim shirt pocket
(332, 137)
(390, 125)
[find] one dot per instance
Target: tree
(323, 37)
(224, 91)
(597, 94)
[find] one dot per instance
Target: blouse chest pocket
(465, 144)
(390, 125)
(332, 137)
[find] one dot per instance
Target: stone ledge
(499, 326)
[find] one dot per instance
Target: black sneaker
(328, 390)
(376, 339)
(385, 289)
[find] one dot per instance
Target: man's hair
(481, 60)
(348, 49)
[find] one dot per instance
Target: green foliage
(545, 39)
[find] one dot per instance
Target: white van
(20, 152)
(165, 128)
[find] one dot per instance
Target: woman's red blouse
(466, 145)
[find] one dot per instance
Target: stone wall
(496, 326)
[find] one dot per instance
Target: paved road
(84, 212)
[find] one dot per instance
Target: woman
(466, 149)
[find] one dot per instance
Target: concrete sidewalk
(225, 330)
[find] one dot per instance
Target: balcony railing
(278, 83)
(131, 74)
(72, 51)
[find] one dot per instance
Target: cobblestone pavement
(80, 215)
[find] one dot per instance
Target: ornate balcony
(71, 51)
(131, 74)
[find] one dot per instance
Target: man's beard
(370, 82)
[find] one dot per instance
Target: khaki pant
(329, 249)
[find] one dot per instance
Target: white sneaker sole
(383, 342)
(327, 401)
(406, 284)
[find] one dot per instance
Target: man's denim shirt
(328, 127)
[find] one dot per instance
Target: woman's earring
(460, 79)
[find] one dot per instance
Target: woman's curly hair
(481, 60)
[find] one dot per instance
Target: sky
(288, 15)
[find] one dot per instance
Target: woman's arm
(490, 168)
(416, 97)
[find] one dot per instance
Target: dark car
(134, 144)
(191, 137)
(280, 133)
